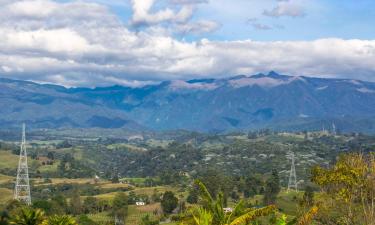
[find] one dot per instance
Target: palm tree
(60, 220)
(28, 216)
(215, 209)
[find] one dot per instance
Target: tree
(75, 203)
(308, 197)
(50, 156)
(28, 216)
(90, 205)
(193, 195)
(120, 206)
(272, 188)
(169, 202)
(350, 185)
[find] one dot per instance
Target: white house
(140, 203)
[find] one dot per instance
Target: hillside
(237, 103)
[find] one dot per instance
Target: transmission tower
(22, 189)
(334, 129)
(292, 184)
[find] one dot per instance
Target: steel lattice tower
(22, 189)
(292, 184)
(334, 129)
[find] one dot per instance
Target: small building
(140, 203)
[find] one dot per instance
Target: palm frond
(254, 214)
(205, 194)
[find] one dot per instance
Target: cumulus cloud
(291, 8)
(142, 14)
(66, 46)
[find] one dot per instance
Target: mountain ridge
(236, 103)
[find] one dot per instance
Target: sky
(138, 42)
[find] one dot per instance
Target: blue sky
(346, 19)
(136, 42)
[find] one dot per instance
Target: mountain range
(214, 105)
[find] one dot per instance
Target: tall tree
(120, 206)
(272, 188)
(76, 203)
(169, 202)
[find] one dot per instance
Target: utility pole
(22, 188)
(292, 184)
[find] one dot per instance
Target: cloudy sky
(136, 42)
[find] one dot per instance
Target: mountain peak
(273, 74)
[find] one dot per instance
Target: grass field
(5, 179)
(138, 191)
(5, 195)
(136, 213)
(8, 160)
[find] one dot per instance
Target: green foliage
(169, 202)
(193, 195)
(60, 220)
(350, 185)
(147, 221)
(215, 207)
(85, 220)
(28, 216)
(75, 203)
(120, 206)
(90, 205)
(272, 188)
(4, 218)
(308, 197)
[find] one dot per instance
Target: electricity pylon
(292, 184)
(22, 189)
(334, 129)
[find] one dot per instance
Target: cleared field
(64, 181)
(138, 191)
(8, 160)
(49, 168)
(5, 195)
(5, 179)
(286, 202)
(136, 213)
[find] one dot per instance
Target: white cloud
(142, 14)
(67, 46)
(291, 8)
(202, 26)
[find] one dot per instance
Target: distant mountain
(237, 103)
